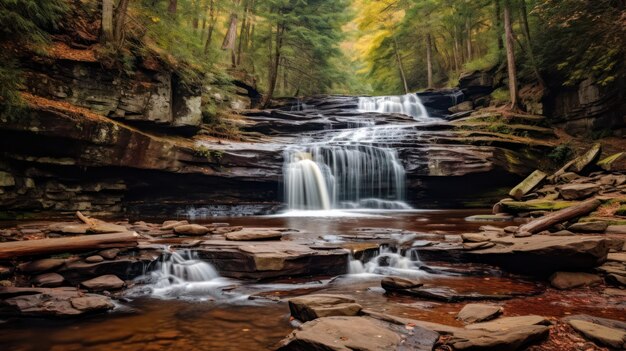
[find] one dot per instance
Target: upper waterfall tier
(409, 104)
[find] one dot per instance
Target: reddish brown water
(257, 324)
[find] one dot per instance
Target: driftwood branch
(561, 216)
(77, 243)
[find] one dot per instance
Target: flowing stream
(355, 168)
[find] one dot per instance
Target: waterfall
(409, 104)
(304, 183)
(389, 261)
(182, 274)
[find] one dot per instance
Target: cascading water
(388, 262)
(183, 275)
(355, 168)
(409, 104)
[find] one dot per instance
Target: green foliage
(561, 154)
(24, 23)
(501, 95)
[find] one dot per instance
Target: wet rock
(606, 336)
(578, 191)
(252, 234)
(191, 229)
(358, 333)
(58, 302)
(501, 339)
(589, 227)
(398, 283)
(478, 312)
(43, 265)
(535, 255)
(508, 323)
(91, 303)
(79, 271)
(310, 307)
(109, 254)
(571, 280)
(450, 295)
(94, 259)
(104, 282)
(169, 225)
(48, 280)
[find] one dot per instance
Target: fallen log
(77, 243)
(557, 217)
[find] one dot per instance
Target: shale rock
(104, 282)
(43, 265)
(578, 191)
(589, 227)
(191, 229)
(358, 333)
(58, 302)
(571, 280)
(605, 336)
(478, 312)
(252, 234)
(310, 307)
(169, 225)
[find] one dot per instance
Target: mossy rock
(536, 205)
(609, 220)
(615, 162)
(621, 211)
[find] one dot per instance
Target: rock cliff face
(108, 142)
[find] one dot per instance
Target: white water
(305, 185)
(409, 104)
(183, 275)
(388, 262)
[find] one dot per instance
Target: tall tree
(107, 20)
(510, 55)
(120, 20)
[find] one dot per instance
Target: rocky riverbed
(546, 271)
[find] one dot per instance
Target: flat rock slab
(310, 307)
(509, 323)
(43, 265)
(589, 227)
(578, 191)
(358, 333)
(571, 280)
(191, 229)
(449, 295)
(478, 312)
(253, 234)
(605, 336)
(539, 255)
(48, 280)
(509, 340)
(59, 302)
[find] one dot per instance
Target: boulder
(252, 234)
(398, 283)
(606, 336)
(48, 280)
(462, 107)
(104, 282)
(91, 303)
(191, 229)
(578, 191)
(43, 265)
(589, 227)
(505, 339)
(478, 312)
(358, 333)
(528, 184)
(571, 280)
(310, 307)
(615, 162)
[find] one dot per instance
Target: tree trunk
(22, 248)
(457, 55)
(212, 21)
(498, 22)
(510, 55)
(564, 215)
(107, 20)
(429, 60)
(529, 45)
(120, 20)
(400, 66)
(274, 69)
(244, 23)
(468, 29)
(171, 8)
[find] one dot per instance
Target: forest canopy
(304, 47)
